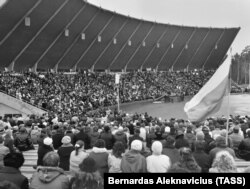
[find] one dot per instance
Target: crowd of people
(75, 153)
(75, 94)
(76, 146)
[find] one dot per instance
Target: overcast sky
(207, 13)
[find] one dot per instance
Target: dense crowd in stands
(87, 147)
(77, 146)
(74, 94)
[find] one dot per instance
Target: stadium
(83, 89)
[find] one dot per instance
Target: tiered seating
(30, 160)
(242, 164)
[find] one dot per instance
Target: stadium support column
(55, 69)
(34, 68)
(11, 67)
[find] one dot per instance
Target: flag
(209, 99)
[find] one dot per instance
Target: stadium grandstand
(58, 59)
(71, 35)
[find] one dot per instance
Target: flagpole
(228, 97)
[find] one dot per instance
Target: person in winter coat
(121, 136)
(180, 141)
(107, 136)
(136, 136)
(133, 161)
(220, 146)
(157, 162)
(187, 163)
(49, 175)
(57, 138)
(44, 149)
(88, 177)
(170, 150)
(41, 137)
(115, 158)
(150, 137)
(244, 148)
(77, 156)
(190, 136)
(3, 151)
(10, 171)
(64, 153)
(34, 134)
(94, 135)
(200, 156)
(84, 137)
(100, 155)
(22, 141)
(9, 140)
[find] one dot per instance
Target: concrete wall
(11, 105)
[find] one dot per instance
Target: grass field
(239, 105)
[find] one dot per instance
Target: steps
(30, 160)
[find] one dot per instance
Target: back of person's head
(51, 159)
(8, 185)
(13, 159)
(137, 131)
(199, 146)
(106, 128)
(136, 145)
(220, 141)
(224, 162)
(23, 130)
(79, 144)
(170, 140)
(88, 165)
(100, 143)
(95, 129)
(236, 129)
(118, 149)
(88, 177)
(156, 148)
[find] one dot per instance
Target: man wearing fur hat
(133, 161)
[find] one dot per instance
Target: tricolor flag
(209, 99)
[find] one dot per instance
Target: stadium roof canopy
(73, 34)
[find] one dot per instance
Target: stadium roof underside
(73, 34)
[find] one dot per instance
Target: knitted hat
(167, 129)
(136, 145)
(66, 140)
(88, 165)
(47, 141)
(157, 147)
